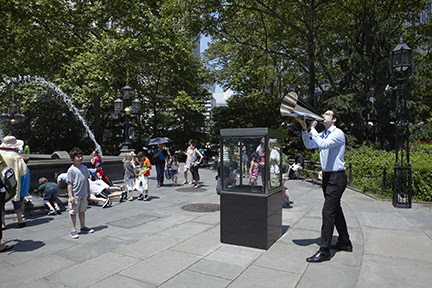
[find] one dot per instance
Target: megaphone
(290, 106)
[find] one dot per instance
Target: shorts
(16, 204)
(129, 183)
(50, 195)
(103, 194)
(274, 180)
(174, 173)
(142, 184)
(80, 205)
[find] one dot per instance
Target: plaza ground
(159, 244)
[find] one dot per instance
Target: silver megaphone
(290, 107)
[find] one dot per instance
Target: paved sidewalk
(158, 244)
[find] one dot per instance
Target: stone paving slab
(161, 267)
(187, 279)
(94, 270)
(380, 271)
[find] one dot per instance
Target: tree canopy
(332, 53)
(90, 49)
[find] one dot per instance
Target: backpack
(285, 163)
(8, 183)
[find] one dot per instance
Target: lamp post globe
(401, 62)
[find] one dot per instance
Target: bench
(311, 171)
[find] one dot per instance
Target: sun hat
(11, 142)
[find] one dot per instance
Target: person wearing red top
(101, 176)
(143, 174)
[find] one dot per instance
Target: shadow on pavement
(25, 245)
(307, 242)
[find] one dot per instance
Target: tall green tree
(89, 47)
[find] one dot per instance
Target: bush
(368, 165)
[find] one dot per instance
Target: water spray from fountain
(29, 79)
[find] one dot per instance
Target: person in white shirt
(331, 144)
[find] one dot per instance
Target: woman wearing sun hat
(3, 247)
(8, 151)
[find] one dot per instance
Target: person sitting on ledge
(100, 175)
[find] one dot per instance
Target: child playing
(254, 168)
(49, 192)
(78, 188)
(174, 169)
(143, 174)
(129, 173)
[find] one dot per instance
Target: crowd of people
(87, 185)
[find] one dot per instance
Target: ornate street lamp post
(128, 112)
(401, 68)
(12, 115)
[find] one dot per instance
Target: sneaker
(146, 197)
(52, 212)
(140, 197)
(123, 196)
(86, 230)
(74, 234)
(109, 203)
(58, 211)
(105, 203)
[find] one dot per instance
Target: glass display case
(251, 160)
(251, 180)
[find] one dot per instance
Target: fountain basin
(42, 165)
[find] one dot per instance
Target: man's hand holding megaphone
(302, 122)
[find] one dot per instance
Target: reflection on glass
(275, 175)
(244, 168)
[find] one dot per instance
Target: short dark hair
(192, 142)
(75, 152)
(140, 154)
(336, 115)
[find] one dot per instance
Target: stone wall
(112, 167)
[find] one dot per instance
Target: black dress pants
(334, 184)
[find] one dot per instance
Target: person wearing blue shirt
(331, 145)
(160, 154)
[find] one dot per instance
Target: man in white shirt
(331, 144)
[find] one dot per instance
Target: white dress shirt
(331, 144)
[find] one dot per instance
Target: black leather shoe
(318, 257)
(342, 247)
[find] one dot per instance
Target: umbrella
(159, 140)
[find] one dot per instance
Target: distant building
(221, 98)
(209, 105)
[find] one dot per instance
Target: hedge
(369, 163)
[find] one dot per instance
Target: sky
(203, 46)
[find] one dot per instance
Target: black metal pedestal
(251, 220)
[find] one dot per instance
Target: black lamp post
(401, 68)
(133, 109)
(12, 115)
